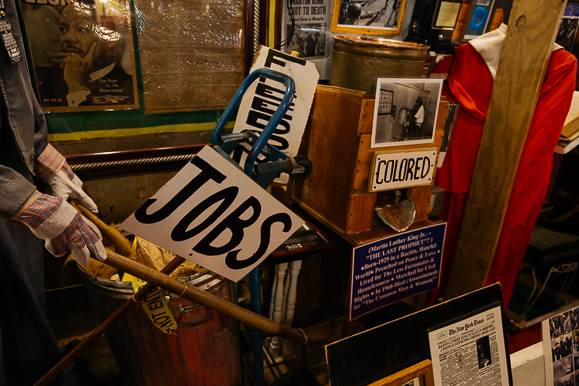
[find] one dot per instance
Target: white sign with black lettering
(263, 97)
(216, 216)
(398, 170)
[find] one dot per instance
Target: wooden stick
(206, 299)
(108, 323)
(123, 245)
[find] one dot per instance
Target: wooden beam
(533, 26)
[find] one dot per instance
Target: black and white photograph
(379, 17)
(405, 111)
(305, 28)
(567, 32)
(563, 368)
(561, 347)
(483, 352)
(308, 41)
(565, 381)
(82, 54)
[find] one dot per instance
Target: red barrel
(205, 350)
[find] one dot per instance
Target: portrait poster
(410, 116)
(305, 28)
(375, 17)
(82, 54)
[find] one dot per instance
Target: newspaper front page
(470, 352)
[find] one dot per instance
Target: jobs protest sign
(263, 97)
(393, 169)
(216, 216)
(395, 267)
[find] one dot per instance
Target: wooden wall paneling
(533, 25)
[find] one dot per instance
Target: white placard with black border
(392, 169)
(216, 216)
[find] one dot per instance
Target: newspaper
(470, 352)
(305, 28)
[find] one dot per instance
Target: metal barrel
(205, 350)
(358, 61)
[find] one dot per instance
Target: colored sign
(216, 216)
(397, 170)
(395, 268)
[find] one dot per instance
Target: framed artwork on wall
(374, 17)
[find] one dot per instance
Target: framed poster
(305, 28)
(414, 105)
(374, 17)
(82, 54)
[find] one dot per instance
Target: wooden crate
(337, 140)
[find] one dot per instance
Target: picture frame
(60, 59)
(373, 17)
(412, 112)
(420, 374)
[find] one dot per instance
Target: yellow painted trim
(271, 28)
(136, 131)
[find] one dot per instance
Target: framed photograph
(418, 375)
(305, 28)
(405, 111)
(374, 17)
(82, 54)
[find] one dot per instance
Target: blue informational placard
(571, 9)
(395, 268)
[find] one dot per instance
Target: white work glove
(52, 168)
(62, 228)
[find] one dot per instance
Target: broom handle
(154, 279)
(109, 322)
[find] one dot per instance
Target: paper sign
(397, 170)
(263, 97)
(214, 215)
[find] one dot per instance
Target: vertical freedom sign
(395, 268)
(216, 216)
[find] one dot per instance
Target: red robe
(470, 83)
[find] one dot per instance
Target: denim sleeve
(14, 191)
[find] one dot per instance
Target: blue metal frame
(278, 162)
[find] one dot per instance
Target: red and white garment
(470, 83)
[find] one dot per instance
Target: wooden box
(337, 140)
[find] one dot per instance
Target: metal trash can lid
(379, 47)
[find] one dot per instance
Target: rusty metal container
(205, 350)
(358, 61)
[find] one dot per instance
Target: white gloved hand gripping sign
(52, 168)
(62, 228)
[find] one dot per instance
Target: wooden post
(533, 26)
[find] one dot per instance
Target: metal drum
(205, 350)
(358, 61)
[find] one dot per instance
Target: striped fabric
(43, 209)
(40, 210)
(50, 162)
